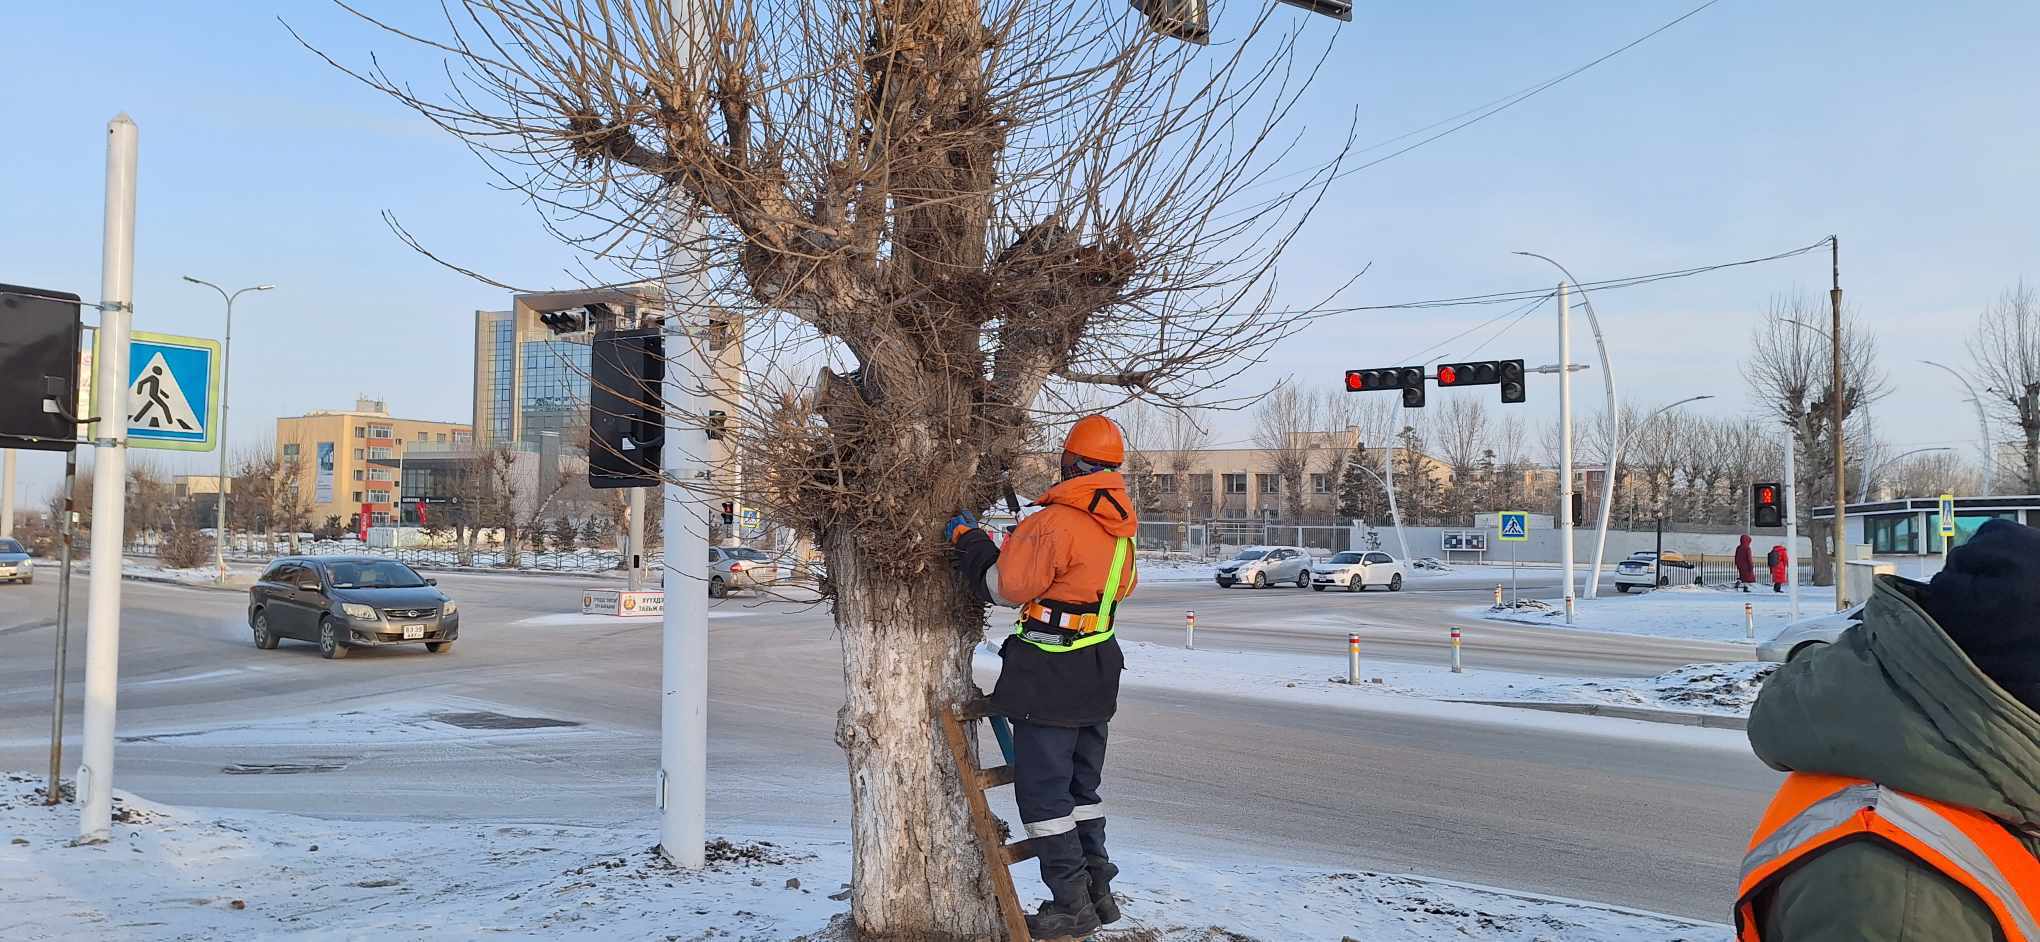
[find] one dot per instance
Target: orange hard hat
(1097, 439)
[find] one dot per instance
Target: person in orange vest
(1913, 806)
(1065, 567)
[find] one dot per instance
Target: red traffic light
(1767, 495)
(1447, 376)
(1355, 381)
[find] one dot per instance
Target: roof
(1933, 504)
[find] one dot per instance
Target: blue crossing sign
(173, 392)
(1515, 526)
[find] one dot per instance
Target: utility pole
(634, 559)
(1841, 554)
(109, 475)
(683, 700)
(1565, 430)
(1792, 516)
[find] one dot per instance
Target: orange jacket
(1813, 812)
(1063, 552)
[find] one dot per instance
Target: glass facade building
(530, 381)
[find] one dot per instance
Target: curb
(1612, 711)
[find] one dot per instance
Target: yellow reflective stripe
(1121, 549)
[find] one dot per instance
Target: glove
(975, 553)
(964, 520)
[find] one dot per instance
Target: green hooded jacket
(1896, 702)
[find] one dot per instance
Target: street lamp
(1388, 484)
(226, 371)
(1614, 424)
(1982, 422)
(1869, 466)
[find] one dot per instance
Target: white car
(1263, 566)
(1808, 635)
(1637, 571)
(1355, 571)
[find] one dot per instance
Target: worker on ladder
(1065, 568)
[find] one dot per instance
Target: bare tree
(1790, 368)
(1755, 451)
(1512, 465)
(1934, 473)
(965, 209)
(1184, 436)
(1463, 443)
(1416, 485)
(2006, 351)
(1284, 424)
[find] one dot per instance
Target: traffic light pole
(635, 558)
(1565, 442)
(6, 492)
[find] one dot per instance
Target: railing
(585, 560)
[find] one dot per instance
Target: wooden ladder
(1000, 856)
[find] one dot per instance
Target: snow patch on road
(1725, 689)
(177, 872)
(445, 719)
(1695, 612)
(572, 619)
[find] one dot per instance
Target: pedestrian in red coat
(1781, 564)
(1745, 567)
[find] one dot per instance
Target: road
(1488, 795)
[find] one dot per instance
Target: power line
(1518, 313)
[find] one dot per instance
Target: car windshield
(745, 553)
(10, 546)
(1251, 554)
(1346, 558)
(375, 575)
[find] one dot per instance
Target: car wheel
(330, 647)
(1317, 588)
(1622, 587)
(439, 647)
(1303, 579)
(1356, 584)
(717, 588)
(1395, 584)
(263, 638)
(1664, 581)
(1260, 580)
(1807, 648)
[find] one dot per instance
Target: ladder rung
(995, 777)
(1021, 851)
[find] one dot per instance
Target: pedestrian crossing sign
(1515, 526)
(173, 392)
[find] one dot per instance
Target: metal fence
(1212, 538)
(422, 557)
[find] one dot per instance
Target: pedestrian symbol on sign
(173, 391)
(1515, 526)
(160, 403)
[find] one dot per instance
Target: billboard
(323, 489)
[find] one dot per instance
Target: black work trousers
(1056, 771)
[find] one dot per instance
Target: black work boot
(1102, 871)
(1063, 919)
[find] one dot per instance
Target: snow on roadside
(176, 872)
(1726, 689)
(1696, 612)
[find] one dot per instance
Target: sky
(1749, 129)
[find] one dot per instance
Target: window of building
(357, 454)
(360, 432)
(358, 475)
(1200, 484)
(1165, 484)
(441, 438)
(357, 497)
(379, 431)
(378, 519)
(382, 453)
(1270, 483)
(290, 452)
(1321, 484)
(1236, 484)
(381, 474)
(1894, 534)
(463, 437)
(552, 393)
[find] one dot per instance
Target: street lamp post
(1982, 423)
(1614, 426)
(1863, 497)
(226, 372)
(1388, 484)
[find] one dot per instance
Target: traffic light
(1409, 379)
(729, 513)
(1507, 374)
(626, 425)
(564, 322)
(1337, 9)
(1579, 507)
(1187, 20)
(1765, 510)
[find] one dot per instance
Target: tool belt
(1059, 623)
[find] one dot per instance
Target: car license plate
(414, 632)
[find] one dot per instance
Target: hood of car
(420, 597)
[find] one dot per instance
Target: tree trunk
(918, 874)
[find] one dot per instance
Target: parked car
(1357, 570)
(1808, 635)
(344, 602)
(1638, 570)
(15, 566)
(731, 568)
(1263, 566)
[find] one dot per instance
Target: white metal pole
(220, 483)
(1982, 424)
(634, 553)
(6, 492)
(683, 702)
(109, 474)
(1394, 514)
(1565, 436)
(1792, 517)
(1614, 428)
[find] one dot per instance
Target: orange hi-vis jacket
(1814, 812)
(1063, 552)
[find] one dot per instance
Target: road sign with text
(1514, 526)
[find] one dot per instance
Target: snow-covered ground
(1706, 613)
(1726, 689)
(189, 873)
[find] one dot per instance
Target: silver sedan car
(1263, 566)
(1808, 635)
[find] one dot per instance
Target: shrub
(186, 549)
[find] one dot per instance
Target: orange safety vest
(1813, 812)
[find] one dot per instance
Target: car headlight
(356, 610)
(449, 608)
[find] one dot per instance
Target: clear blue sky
(1751, 128)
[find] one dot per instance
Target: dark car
(344, 602)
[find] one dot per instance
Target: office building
(530, 380)
(349, 460)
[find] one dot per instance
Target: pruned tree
(1934, 473)
(1463, 443)
(1284, 424)
(1416, 485)
(1790, 367)
(1512, 464)
(1184, 436)
(2006, 352)
(964, 208)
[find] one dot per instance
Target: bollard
(1190, 629)
(1749, 617)
(1353, 659)
(1498, 596)
(1455, 653)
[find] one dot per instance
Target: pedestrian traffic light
(1579, 507)
(1765, 511)
(729, 513)
(626, 425)
(1507, 374)
(1409, 379)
